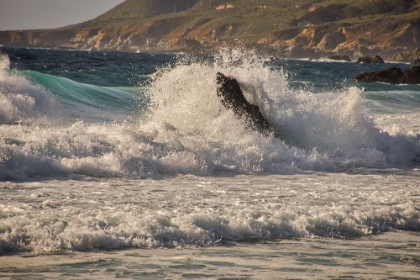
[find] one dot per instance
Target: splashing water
(185, 130)
(217, 181)
(20, 100)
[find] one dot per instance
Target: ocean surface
(126, 165)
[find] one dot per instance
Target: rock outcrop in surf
(376, 59)
(232, 98)
(392, 75)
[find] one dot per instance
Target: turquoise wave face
(109, 69)
(90, 102)
(187, 131)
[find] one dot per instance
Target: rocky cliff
(299, 28)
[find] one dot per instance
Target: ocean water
(123, 165)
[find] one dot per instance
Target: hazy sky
(34, 14)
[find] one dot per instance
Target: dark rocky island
(376, 59)
(392, 75)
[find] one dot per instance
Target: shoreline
(210, 52)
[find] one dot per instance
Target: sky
(40, 14)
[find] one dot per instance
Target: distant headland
(278, 28)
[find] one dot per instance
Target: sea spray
(185, 129)
(183, 171)
(20, 101)
(331, 123)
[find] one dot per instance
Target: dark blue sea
(127, 165)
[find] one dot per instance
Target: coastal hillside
(293, 28)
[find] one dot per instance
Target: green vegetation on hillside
(162, 24)
(250, 20)
(334, 12)
(251, 13)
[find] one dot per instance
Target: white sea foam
(86, 215)
(217, 181)
(22, 102)
(187, 131)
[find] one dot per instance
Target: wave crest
(186, 130)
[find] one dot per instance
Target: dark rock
(376, 59)
(340, 57)
(411, 76)
(392, 75)
(416, 61)
(232, 97)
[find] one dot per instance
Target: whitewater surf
(111, 151)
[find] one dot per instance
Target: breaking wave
(176, 125)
